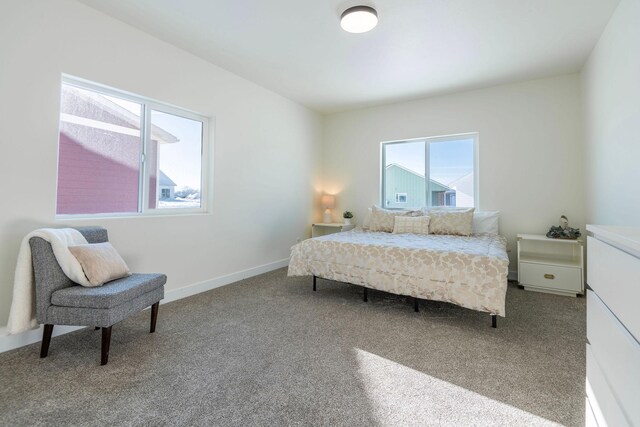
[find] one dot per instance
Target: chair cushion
(110, 294)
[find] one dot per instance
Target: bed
(469, 271)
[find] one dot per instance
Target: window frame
(147, 106)
(428, 140)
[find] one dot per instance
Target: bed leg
(415, 305)
(314, 283)
(494, 321)
(365, 296)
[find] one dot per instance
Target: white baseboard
(207, 285)
(513, 275)
(10, 342)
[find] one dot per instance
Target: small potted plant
(347, 215)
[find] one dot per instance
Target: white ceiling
(419, 48)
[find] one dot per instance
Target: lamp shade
(328, 201)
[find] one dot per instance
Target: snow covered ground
(178, 203)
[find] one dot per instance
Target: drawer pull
(549, 276)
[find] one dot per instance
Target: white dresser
(613, 326)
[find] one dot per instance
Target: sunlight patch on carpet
(400, 395)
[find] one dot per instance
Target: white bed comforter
(467, 271)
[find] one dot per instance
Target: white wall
(611, 90)
(267, 148)
(530, 150)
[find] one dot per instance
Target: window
(401, 197)
(439, 171)
(117, 151)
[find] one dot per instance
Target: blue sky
(449, 160)
(181, 161)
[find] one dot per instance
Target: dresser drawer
(565, 279)
(615, 276)
(616, 353)
(589, 416)
(603, 405)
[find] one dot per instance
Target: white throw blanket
(22, 316)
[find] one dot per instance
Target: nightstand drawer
(551, 277)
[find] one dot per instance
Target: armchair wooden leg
(106, 340)
(154, 316)
(46, 340)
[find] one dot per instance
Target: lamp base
(327, 217)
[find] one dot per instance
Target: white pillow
(411, 224)
(446, 208)
(486, 222)
(366, 222)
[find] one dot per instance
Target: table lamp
(328, 202)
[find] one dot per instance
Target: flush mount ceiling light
(359, 19)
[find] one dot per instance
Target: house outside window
(123, 154)
(429, 172)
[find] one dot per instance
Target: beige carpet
(269, 351)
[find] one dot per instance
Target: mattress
(468, 271)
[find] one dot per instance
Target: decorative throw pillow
(100, 262)
(383, 219)
(457, 222)
(411, 224)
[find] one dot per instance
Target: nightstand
(550, 265)
(322, 228)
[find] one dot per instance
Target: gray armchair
(59, 301)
